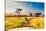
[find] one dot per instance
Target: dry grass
(14, 22)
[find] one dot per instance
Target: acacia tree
(18, 11)
(30, 14)
(37, 14)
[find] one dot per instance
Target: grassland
(14, 22)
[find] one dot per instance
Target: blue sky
(38, 6)
(35, 5)
(26, 6)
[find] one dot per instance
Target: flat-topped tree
(37, 14)
(18, 11)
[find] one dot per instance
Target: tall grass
(15, 22)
